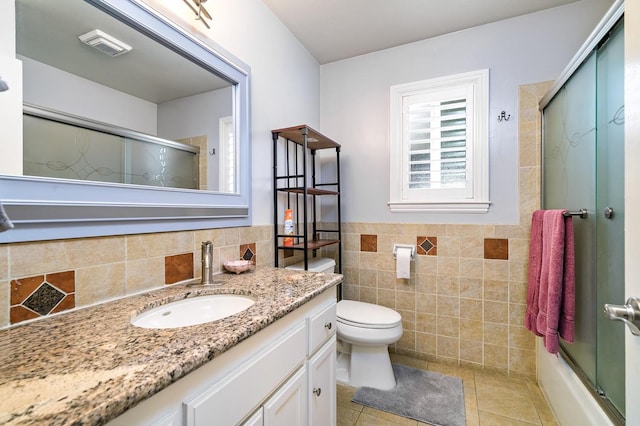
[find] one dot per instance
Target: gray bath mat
(421, 395)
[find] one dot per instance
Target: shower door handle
(629, 314)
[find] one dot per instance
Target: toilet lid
(361, 314)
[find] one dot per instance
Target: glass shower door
(569, 177)
(610, 215)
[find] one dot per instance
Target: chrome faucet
(207, 260)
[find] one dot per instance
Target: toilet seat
(366, 315)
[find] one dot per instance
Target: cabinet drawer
(237, 394)
(321, 326)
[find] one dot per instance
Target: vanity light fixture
(3, 85)
(201, 12)
(105, 43)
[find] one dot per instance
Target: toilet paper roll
(403, 262)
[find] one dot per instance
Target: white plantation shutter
(439, 145)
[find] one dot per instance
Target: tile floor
(491, 399)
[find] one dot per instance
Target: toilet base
(343, 365)
(366, 366)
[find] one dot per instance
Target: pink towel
(535, 263)
(551, 286)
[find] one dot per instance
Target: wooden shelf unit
(296, 179)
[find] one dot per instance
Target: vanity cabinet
(282, 375)
(289, 404)
(295, 169)
(322, 385)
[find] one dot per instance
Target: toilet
(364, 332)
(316, 264)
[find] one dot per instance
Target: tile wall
(43, 278)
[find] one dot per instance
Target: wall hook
(212, 152)
(3, 85)
(503, 116)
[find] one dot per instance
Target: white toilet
(364, 332)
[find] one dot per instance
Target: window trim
(478, 201)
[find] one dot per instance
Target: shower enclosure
(583, 168)
(68, 147)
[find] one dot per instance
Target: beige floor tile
(347, 416)
(490, 419)
(466, 374)
(473, 418)
(498, 379)
(491, 399)
(546, 416)
(408, 361)
(373, 417)
(507, 402)
(344, 395)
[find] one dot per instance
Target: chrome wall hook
(503, 116)
(3, 85)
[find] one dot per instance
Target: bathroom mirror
(168, 88)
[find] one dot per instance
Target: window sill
(477, 207)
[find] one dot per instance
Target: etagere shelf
(294, 179)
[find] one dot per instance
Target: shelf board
(310, 191)
(315, 139)
(313, 245)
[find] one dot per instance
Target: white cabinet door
(256, 420)
(288, 406)
(322, 386)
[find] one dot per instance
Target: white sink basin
(193, 311)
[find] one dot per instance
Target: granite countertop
(91, 365)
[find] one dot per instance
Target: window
(227, 155)
(439, 145)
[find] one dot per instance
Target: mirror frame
(49, 208)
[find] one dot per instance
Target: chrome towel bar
(582, 213)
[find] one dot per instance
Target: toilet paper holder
(408, 246)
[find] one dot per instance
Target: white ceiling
(337, 29)
(47, 31)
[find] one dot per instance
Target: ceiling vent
(105, 43)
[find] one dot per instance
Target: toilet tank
(316, 264)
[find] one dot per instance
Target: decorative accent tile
(65, 281)
(427, 246)
(178, 268)
(248, 252)
(22, 288)
(369, 243)
(19, 313)
(496, 248)
(69, 302)
(44, 299)
(33, 297)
